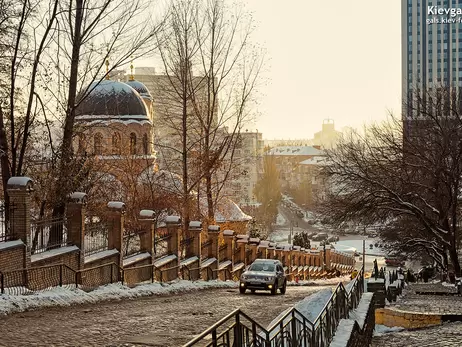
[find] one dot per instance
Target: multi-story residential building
(431, 46)
(248, 159)
(296, 173)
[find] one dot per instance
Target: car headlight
(243, 277)
(269, 278)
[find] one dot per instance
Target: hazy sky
(327, 59)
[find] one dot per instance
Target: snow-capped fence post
(147, 220)
(195, 229)
(75, 216)
(262, 249)
(241, 241)
(116, 220)
(214, 232)
(19, 190)
(173, 246)
(228, 236)
(253, 244)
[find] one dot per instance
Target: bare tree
(406, 175)
(229, 67)
(211, 73)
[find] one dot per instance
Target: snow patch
(62, 296)
(380, 329)
(101, 255)
(10, 244)
(136, 258)
(53, 253)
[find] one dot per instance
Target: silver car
(264, 274)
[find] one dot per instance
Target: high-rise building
(431, 45)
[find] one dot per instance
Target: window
(132, 143)
(98, 144)
(82, 143)
(116, 143)
(145, 144)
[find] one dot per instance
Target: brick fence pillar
(214, 232)
(195, 230)
(75, 216)
(253, 244)
(147, 220)
(19, 189)
(228, 235)
(116, 216)
(173, 225)
(262, 247)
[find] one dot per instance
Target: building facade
(431, 45)
(248, 159)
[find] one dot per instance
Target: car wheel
(242, 290)
(274, 289)
(284, 287)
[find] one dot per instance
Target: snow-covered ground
(69, 295)
(280, 220)
(324, 282)
(380, 330)
(66, 296)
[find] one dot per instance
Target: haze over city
(327, 59)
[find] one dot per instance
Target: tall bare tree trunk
(6, 173)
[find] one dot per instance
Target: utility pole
(364, 256)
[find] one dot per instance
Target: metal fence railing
(96, 237)
(6, 229)
(293, 329)
(205, 248)
(42, 278)
(222, 252)
(161, 245)
(48, 234)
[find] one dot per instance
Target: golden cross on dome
(132, 76)
(107, 62)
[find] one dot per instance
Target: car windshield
(262, 267)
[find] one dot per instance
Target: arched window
(116, 143)
(98, 144)
(145, 144)
(82, 144)
(132, 143)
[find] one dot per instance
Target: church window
(81, 143)
(132, 143)
(98, 144)
(145, 144)
(116, 143)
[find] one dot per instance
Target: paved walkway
(165, 321)
(447, 335)
(425, 303)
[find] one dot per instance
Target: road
(152, 321)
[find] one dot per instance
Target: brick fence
(87, 252)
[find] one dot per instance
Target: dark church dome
(140, 88)
(111, 100)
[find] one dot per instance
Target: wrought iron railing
(5, 231)
(96, 237)
(48, 234)
(42, 278)
(293, 329)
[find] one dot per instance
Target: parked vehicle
(394, 262)
(333, 239)
(264, 274)
(320, 237)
